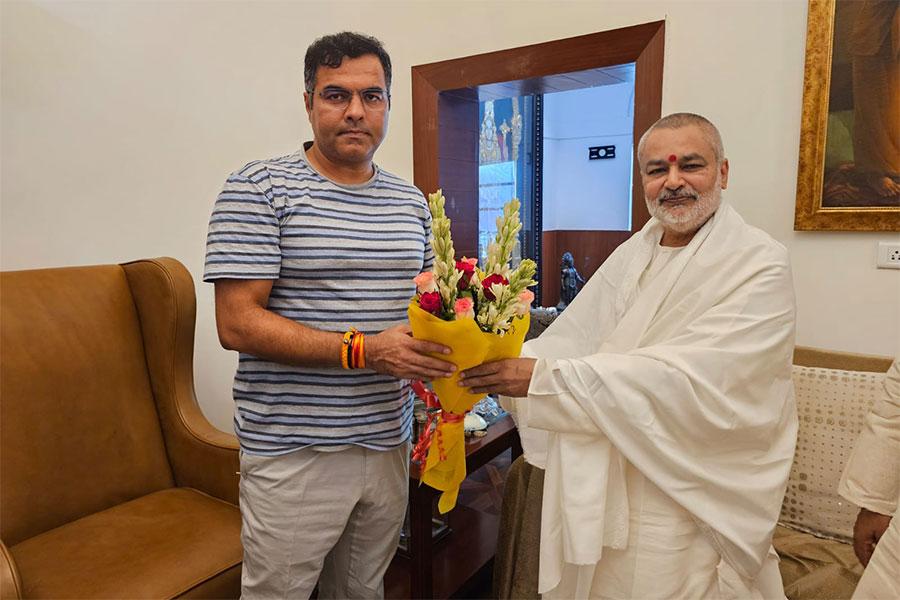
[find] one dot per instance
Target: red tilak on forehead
(672, 158)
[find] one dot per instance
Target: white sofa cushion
(831, 405)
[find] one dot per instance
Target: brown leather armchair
(112, 483)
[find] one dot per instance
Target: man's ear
(723, 172)
(307, 102)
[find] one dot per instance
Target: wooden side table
(439, 572)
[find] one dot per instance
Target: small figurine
(570, 281)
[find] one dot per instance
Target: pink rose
(431, 302)
(466, 266)
(464, 308)
(526, 297)
(425, 282)
(490, 280)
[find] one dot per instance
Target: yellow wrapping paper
(470, 347)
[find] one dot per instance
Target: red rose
(490, 280)
(467, 269)
(431, 302)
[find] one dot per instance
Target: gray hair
(685, 119)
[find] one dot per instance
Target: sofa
(112, 483)
(834, 391)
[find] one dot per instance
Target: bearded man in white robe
(660, 403)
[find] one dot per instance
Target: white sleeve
(871, 478)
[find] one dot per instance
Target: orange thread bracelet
(359, 345)
(354, 351)
(346, 345)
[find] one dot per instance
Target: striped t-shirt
(340, 256)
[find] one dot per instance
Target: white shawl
(689, 380)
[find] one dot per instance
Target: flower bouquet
(481, 315)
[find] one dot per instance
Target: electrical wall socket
(888, 255)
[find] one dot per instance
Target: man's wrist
(353, 349)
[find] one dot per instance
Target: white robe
(871, 480)
(688, 381)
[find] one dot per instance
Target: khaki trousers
(311, 515)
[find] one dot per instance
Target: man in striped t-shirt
(301, 249)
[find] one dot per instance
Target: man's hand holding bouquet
(482, 315)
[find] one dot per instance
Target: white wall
(121, 120)
(582, 194)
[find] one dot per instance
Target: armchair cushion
(165, 544)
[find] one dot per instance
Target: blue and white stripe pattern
(340, 256)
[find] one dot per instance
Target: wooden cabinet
(438, 569)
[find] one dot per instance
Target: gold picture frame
(879, 214)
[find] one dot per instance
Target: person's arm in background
(871, 479)
(867, 530)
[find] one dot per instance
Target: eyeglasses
(375, 99)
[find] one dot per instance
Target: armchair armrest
(10, 582)
(201, 456)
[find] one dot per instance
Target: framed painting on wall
(849, 167)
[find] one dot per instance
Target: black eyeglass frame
(386, 95)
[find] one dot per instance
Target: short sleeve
(244, 240)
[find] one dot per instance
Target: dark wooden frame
(809, 214)
(445, 109)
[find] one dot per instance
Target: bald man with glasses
(313, 257)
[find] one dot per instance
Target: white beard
(686, 218)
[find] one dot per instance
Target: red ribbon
(434, 411)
